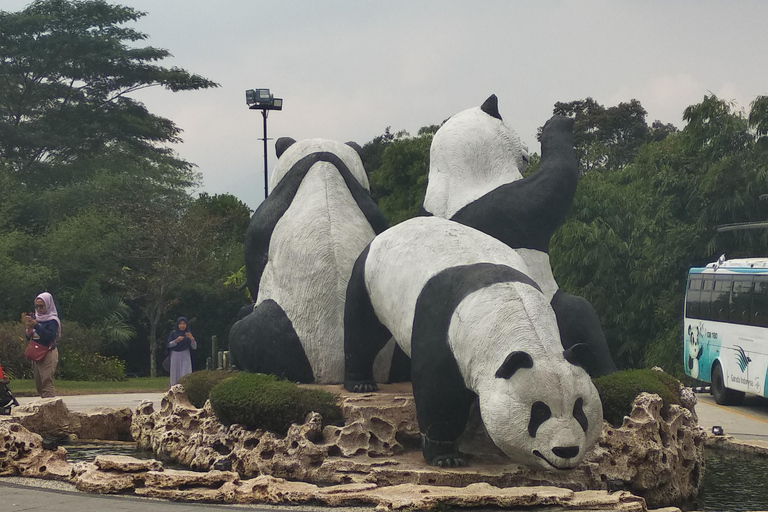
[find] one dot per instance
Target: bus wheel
(722, 394)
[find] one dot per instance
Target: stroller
(7, 400)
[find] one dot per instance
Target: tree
(68, 68)
(609, 138)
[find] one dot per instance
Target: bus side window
(760, 302)
(721, 298)
(706, 299)
(693, 300)
(741, 299)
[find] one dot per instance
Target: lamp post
(261, 99)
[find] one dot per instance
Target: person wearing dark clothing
(44, 327)
(180, 343)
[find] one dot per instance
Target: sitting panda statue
(477, 327)
(300, 247)
(475, 178)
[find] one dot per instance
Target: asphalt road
(747, 422)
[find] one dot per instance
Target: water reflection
(734, 482)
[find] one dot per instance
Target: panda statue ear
(356, 147)
(514, 361)
(282, 144)
(580, 355)
(491, 107)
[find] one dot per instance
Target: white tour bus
(725, 327)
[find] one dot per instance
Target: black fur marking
(270, 211)
(265, 342)
(579, 355)
(514, 361)
(364, 334)
(578, 413)
(282, 144)
(354, 145)
(491, 107)
(578, 323)
(540, 413)
(566, 452)
(400, 371)
(442, 400)
(526, 212)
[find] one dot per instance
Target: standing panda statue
(475, 179)
(477, 327)
(300, 247)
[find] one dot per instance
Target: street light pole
(261, 99)
(266, 180)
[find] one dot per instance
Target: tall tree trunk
(153, 347)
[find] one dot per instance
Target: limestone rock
(104, 423)
(659, 457)
(126, 464)
(22, 453)
(48, 417)
(97, 481)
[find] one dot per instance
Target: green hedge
(263, 401)
(198, 385)
(619, 390)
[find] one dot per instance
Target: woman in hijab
(181, 343)
(44, 327)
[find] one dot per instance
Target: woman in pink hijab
(44, 327)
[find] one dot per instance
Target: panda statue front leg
(443, 402)
(364, 334)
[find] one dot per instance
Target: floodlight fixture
(264, 100)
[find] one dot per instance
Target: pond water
(86, 452)
(734, 482)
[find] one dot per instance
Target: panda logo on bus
(695, 349)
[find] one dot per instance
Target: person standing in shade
(180, 343)
(44, 327)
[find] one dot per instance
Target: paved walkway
(86, 402)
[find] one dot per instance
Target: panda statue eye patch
(578, 413)
(540, 413)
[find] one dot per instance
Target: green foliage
(400, 182)
(12, 345)
(265, 402)
(79, 357)
(619, 390)
(68, 67)
(198, 385)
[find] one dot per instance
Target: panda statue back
(300, 247)
(477, 327)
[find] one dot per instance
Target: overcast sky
(347, 69)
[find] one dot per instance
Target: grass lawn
(26, 387)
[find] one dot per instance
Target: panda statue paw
(441, 453)
(357, 386)
(446, 461)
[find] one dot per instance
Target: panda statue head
(471, 154)
(543, 411)
(289, 152)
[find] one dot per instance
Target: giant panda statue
(475, 178)
(476, 326)
(300, 247)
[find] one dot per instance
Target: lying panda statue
(475, 179)
(476, 326)
(300, 247)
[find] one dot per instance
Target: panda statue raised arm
(476, 326)
(300, 247)
(475, 179)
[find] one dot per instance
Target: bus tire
(723, 395)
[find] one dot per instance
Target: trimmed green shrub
(619, 390)
(77, 365)
(263, 401)
(198, 385)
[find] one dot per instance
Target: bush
(619, 390)
(76, 365)
(263, 401)
(198, 385)
(12, 345)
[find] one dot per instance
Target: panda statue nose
(566, 452)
